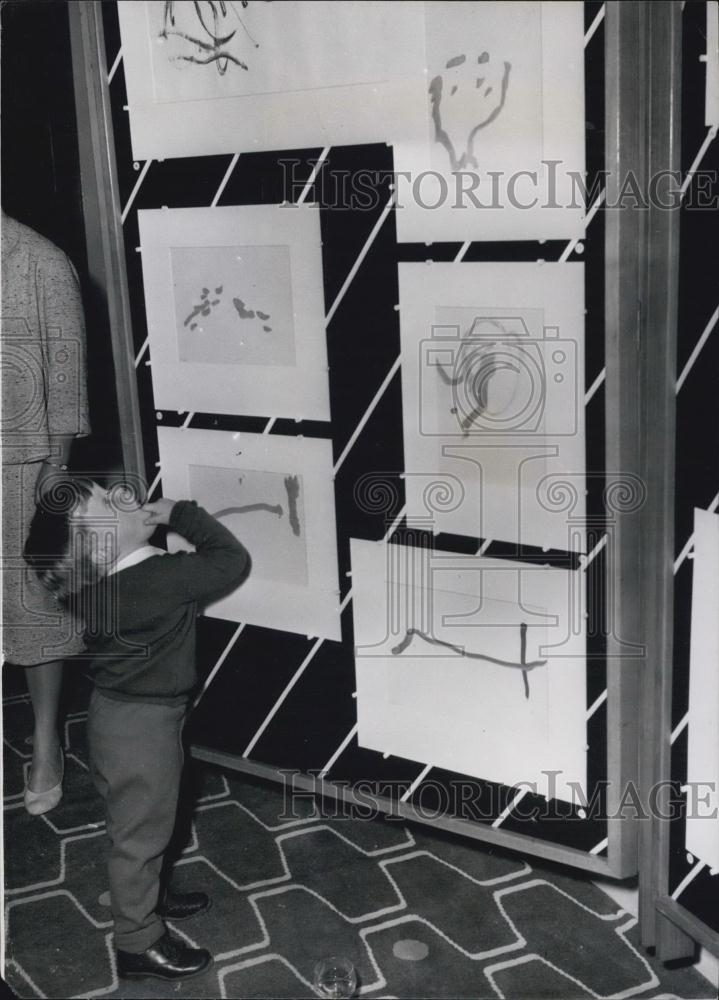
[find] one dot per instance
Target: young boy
(140, 623)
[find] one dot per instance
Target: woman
(44, 407)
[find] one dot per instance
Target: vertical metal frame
(658, 363)
(102, 214)
(624, 245)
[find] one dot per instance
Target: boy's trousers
(136, 761)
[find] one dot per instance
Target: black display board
(290, 698)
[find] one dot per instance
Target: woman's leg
(44, 684)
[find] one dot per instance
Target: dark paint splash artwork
(206, 304)
(212, 30)
(490, 101)
(477, 363)
(523, 665)
(292, 489)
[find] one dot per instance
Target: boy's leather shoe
(168, 958)
(181, 905)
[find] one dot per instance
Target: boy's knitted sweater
(140, 622)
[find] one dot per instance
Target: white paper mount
(276, 494)
(493, 400)
(419, 697)
(235, 310)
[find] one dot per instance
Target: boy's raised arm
(219, 564)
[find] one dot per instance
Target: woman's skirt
(35, 627)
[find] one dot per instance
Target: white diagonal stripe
(154, 485)
(597, 704)
(593, 26)
(681, 726)
(416, 783)
(687, 879)
(697, 350)
(225, 179)
(113, 69)
(368, 413)
(340, 750)
(313, 176)
(595, 385)
(509, 807)
(142, 350)
(133, 193)
(278, 704)
(225, 653)
(585, 561)
(708, 140)
(362, 254)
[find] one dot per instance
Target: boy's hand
(158, 512)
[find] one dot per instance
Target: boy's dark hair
(62, 564)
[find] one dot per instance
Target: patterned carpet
(420, 914)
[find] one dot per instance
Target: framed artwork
(472, 664)
(235, 309)
(277, 495)
(234, 77)
(702, 830)
(493, 399)
(500, 155)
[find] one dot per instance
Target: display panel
(235, 309)
(501, 154)
(702, 829)
(242, 77)
(493, 398)
(276, 494)
(472, 664)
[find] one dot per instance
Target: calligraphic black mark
(292, 486)
(524, 665)
(270, 508)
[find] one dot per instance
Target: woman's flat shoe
(37, 803)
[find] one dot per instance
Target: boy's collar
(135, 557)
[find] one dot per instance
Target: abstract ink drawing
(292, 485)
(204, 307)
(244, 313)
(523, 665)
(237, 327)
(234, 305)
(209, 32)
(292, 488)
(467, 97)
(484, 378)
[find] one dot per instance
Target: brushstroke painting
(231, 76)
(504, 125)
(469, 663)
(485, 94)
(266, 507)
(276, 494)
(489, 370)
(233, 305)
(493, 399)
(235, 310)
